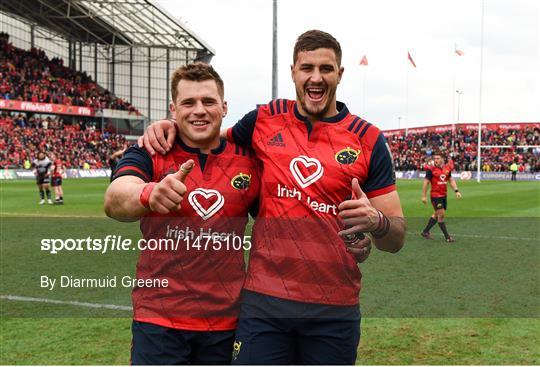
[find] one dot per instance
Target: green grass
(473, 302)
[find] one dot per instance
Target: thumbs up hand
(169, 192)
(184, 170)
(358, 214)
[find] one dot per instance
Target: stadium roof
(112, 22)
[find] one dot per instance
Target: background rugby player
(42, 165)
(57, 171)
(438, 176)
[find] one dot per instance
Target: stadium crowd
(412, 151)
(32, 76)
(78, 146)
(81, 146)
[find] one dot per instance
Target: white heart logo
(306, 162)
(207, 194)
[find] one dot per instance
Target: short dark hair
(315, 39)
(196, 72)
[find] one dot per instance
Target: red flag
(459, 52)
(410, 59)
(364, 61)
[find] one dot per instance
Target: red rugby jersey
(438, 177)
(204, 285)
(57, 171)
(307, 173)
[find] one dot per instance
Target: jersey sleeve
(48, 166)
(381, 177)
(242, 132)
(135, 162)
(429, 174)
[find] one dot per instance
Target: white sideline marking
(498, 237)
(5, 214)
(457, 235)
(71, 303)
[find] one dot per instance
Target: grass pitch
(473, 302)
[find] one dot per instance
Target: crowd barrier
(12, 174)
(472, 175)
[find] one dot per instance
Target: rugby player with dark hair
(438, 175)
(42, 165)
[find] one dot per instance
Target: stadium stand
(32, 76)
(411, 151)
(78, 146)
(68, 70)
(129, 48)
(22, 137)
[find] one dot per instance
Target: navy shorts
(277, 331)
(439, 203)
(159, 345)
(43, 179)
(56, 181)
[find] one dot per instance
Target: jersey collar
(342, 113)
(218, 150)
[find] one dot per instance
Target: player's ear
(340, 74)
(292, 72)
(172, 108)
(225, 108)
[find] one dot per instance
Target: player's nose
(199, 109)
(316, 76)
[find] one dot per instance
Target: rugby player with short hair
(42, 165)
(326, 174)
(200, 191)
(57, 172)
(438, 175)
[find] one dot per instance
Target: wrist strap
(145, 194)
(383, 228)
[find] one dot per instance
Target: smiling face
(199, 110)
(316, 75)
(437, 160)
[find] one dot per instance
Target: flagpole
(479, 152)
(364, 64)
(407, 102)
(274, 50)
(454, 98)
(407, 93)
(364, 92)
